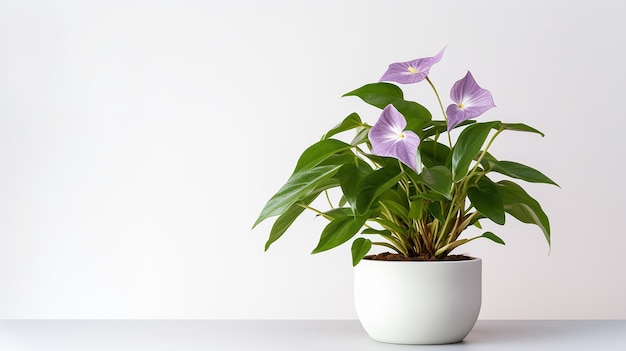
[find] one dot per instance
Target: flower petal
(389, 138)
(411, 71)
(470, 101)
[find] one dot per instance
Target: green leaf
(487, 161)
(392, 226)
(350, 122)
(429, 195)
(434, 153)
(377, 94)
(485, 197)
(443, 251)
(343, 201)
(522, 206)
(439, 127)
(338, 212)
(298, 186)
(396, 209)
(361, 136)
(360, 248)
(417, 209)
(374, 184)
(439, 179)
(399, 195)
(435, 209)
(518, 171)
(433, 128)
(468, 146)
(342, 158)
(350, 176)
(520, 127)
(338, 231)
(394, 194)
(382, 232)
(493, 237)
(382, 94)
(319, 152)
(285, 220)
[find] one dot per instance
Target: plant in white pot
(403, 188)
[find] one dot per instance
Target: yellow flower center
(461, 105)
(401, 135)
(413, 70)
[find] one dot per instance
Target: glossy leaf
(397, 209)
(487, 161)
(298, 186)
(435, 209)
(393, 195)
(338, 212)
(338, 231)
(377, 94)
(360, 248)
(434, 153)
(468, 147)
(491, 236)
(382, 232)
(518, 171)
(382, 94)
(391, 226)
(319, 152)
(285, 220)
(343, 201)
(374, 184)
(433, 128)
(520, 127)
(439, 179)
(443, 251)
(400, 194)
(429, 195)
(485, 197)
(350, 176)
(522, 206)
(417, 209)
(341, 158)
(350, 122)
(361, 136)
(476, 223)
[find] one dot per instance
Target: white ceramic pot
(411, 302)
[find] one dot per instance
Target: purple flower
(470, 101)
(411, 71)
(389, 138)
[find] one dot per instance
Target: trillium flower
(411, 71)
(470, 100)
(389, 138)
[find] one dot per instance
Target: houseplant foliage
(403, 183)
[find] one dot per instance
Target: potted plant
(411, 184)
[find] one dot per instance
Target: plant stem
(303, 205)
(443, 111)
(325, 215)
(482, 155)
(328, 199)
(456, 205)
(469, 219)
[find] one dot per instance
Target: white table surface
(191, 335)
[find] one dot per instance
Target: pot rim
(471, 260)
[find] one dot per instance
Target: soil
(388, 256)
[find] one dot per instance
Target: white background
(140, 139)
